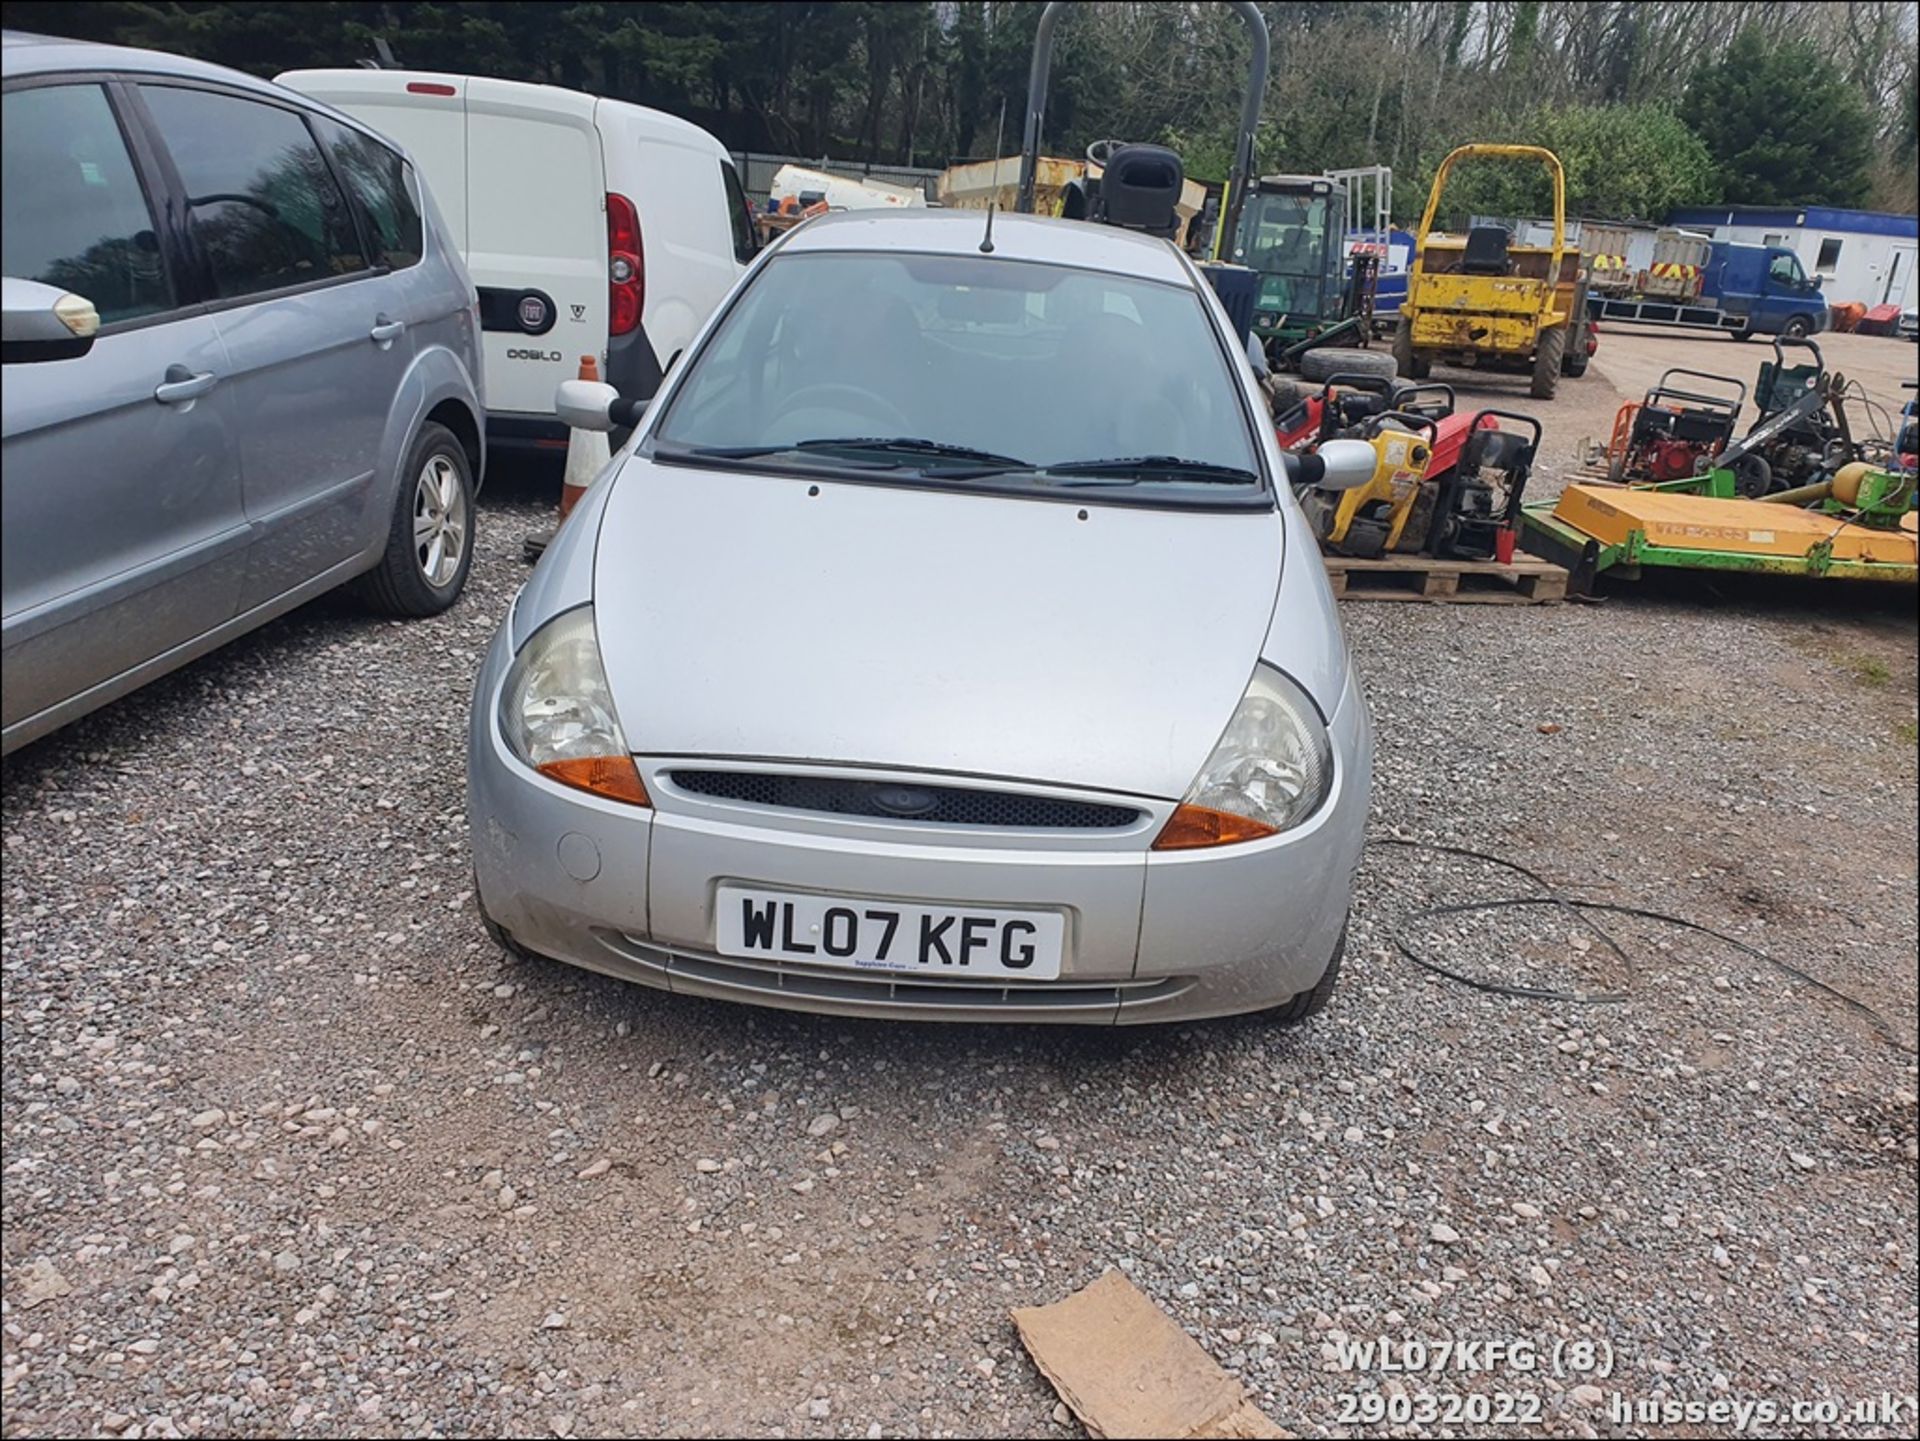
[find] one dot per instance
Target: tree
(1622, 162)
(1392, 82)
(1783, 125)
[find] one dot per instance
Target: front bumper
(1151, 936)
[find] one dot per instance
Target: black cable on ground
(1581, 913)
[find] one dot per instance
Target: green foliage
(1622, 162)
(1826, 115)
(1782, 123)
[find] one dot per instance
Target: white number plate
(950, 941)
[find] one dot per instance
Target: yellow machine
(1478, 299)
(1368, 520)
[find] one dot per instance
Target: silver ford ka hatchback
(946, 644)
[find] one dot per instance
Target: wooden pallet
(1527, 581)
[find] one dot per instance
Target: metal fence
(757, 170)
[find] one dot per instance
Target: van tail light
(626, 266)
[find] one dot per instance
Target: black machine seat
(1486, 252)
(1140, 188)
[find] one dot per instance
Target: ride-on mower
(1801, 428)
(1313, 296)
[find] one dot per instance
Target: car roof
(22, 53)
(1015, 237)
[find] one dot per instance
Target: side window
(1786, 269)
(266, 210)
(377, 179)
(739, 213)
(73, 211)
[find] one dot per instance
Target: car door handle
(182, 385)
(385, 330)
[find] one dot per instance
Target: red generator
(1671, 433)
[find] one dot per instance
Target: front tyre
(1405, 360)
(430, 539)
(1309, 1004)
(1546, 363)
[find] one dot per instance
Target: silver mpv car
(241, 366)
(946, 643)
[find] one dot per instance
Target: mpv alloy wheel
(430, 530)
(439, 521)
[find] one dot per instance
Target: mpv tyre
(430, 541)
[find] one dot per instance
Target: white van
(591, 227)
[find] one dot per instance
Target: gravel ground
(291, 1147)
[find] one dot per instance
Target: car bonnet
(1102, 646)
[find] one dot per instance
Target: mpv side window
(739, 214)
(377, 179)
(266, 210)
(73, 213)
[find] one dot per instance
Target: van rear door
(675, 174)
(536, 239)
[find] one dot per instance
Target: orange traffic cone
(587, 452)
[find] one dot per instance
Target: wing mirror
(1348, 464)
(595, 405)
(43, 322)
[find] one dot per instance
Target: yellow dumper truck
(1479, 299)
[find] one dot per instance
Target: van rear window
(739, 213)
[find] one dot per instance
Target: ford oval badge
(904, 801)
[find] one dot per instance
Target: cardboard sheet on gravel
(1126, 1369)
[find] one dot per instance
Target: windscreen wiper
(969, 460)
(913, 445)
(719, 454)
(1137, 467)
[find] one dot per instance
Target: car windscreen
(1013, 366)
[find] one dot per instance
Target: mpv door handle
(385, 331)
(182, 385)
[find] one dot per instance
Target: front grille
(893, 800)
(766, 980)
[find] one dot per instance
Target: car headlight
(556, 712)
(1269, 771)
